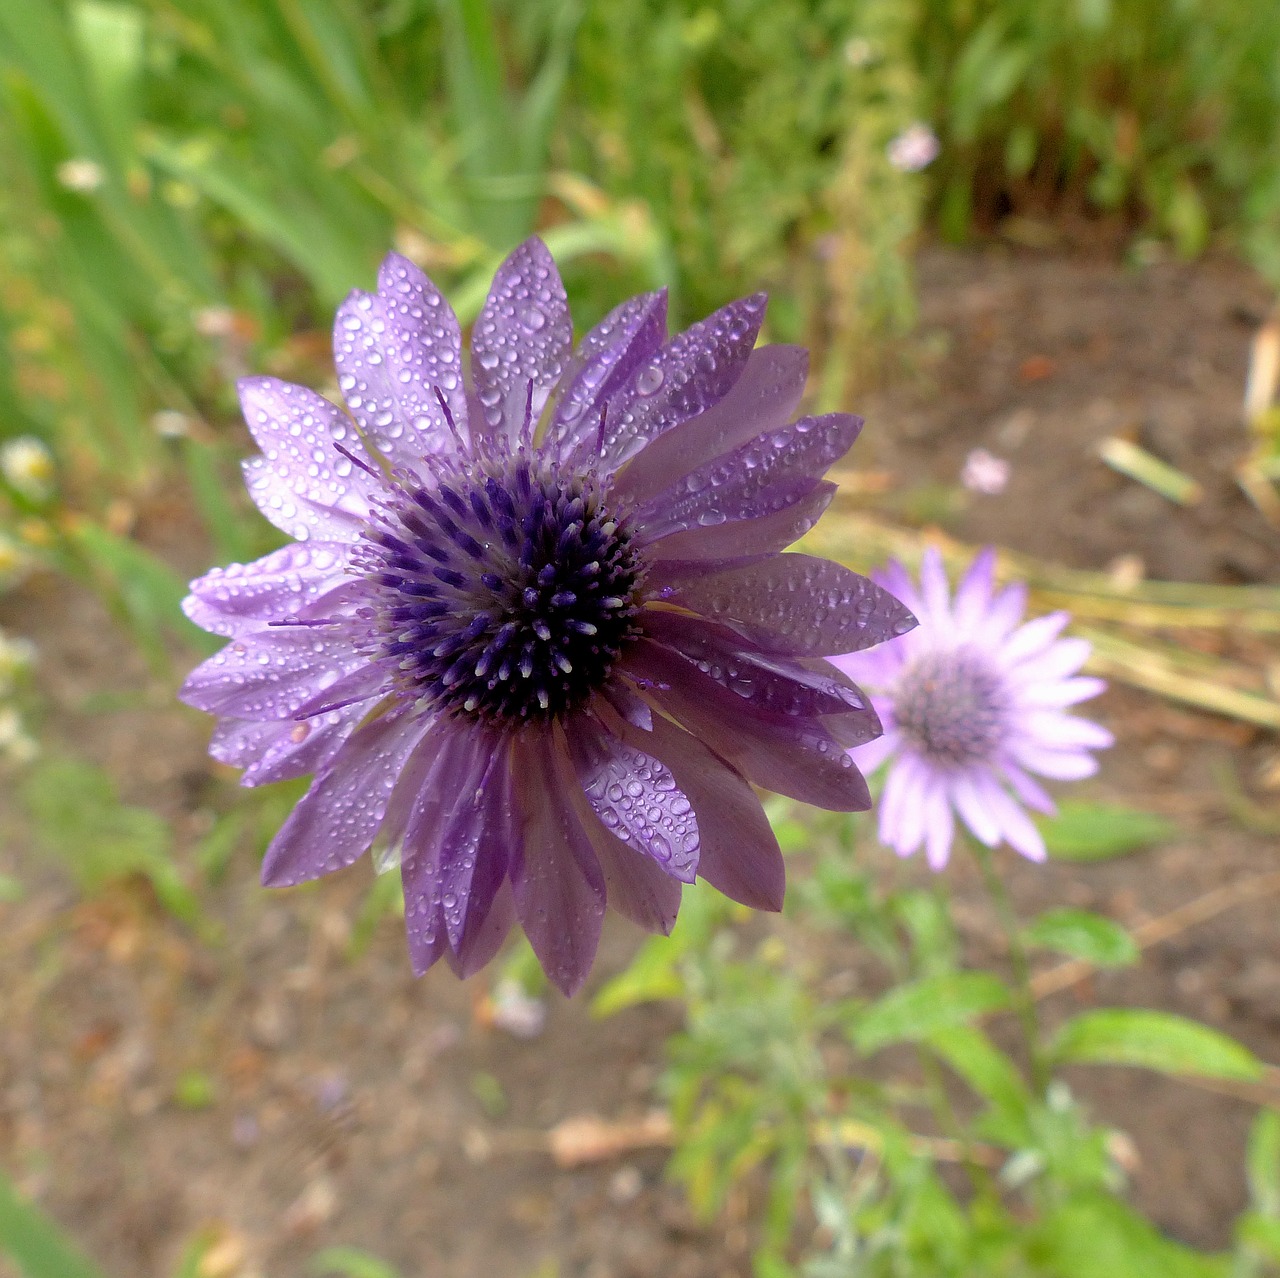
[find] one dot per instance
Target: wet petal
(691, 373)
(764, 397)
(336, 820)
(800, 605)
(297, 431)
(771, 684)
(523, 336)
(279, 585)
(635, 884)
(739, 853)
(270, 674)
(635, 798)
(796, 757)
(556, 881)
(768, 473)
(764, 535)
(630, 335)
(391, 350)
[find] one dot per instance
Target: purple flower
(973, 703)
(534, 637)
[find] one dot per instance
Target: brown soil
(352, 1105)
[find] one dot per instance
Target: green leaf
(1096, 831)
(350, 1263)
(1263, 1163)
(1096, 1236)
(1082, 935)
(38, 1246)
(1154, 1040)
(982, 1065)
(914, 1011)
(653, 975)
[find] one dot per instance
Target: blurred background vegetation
(192, 185)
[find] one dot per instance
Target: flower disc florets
(951, 706)
(508, 591)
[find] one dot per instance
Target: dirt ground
(352, 1105)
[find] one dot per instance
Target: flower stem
(1024, 999)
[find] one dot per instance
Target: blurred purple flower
(972, 703)
(915, 148)
(984, 472)
(534, 637)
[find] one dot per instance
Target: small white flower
(516, 1012)
(81, 174)
(915, 148)
(985, 473)
(28, 467)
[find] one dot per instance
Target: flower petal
(796, 757)
(1063, 731)
(297, 431)
(1016, 827)
(523, 337)
(392, 350)
(270, 674)
(768, 473)
(1061, 765)
(739, 852)
(973, 594)
(336, 820)
(691, 373)
(279, 585)
(746, 538)
(556, 881)
(934, 591)
(763, 397)
(1033, 638)
(635, 884)
(630, 335)
(968, 796)
(1060, 693)
(482, 942)
(771, 684)
(636, 798)
(939, 827)
(799, 605)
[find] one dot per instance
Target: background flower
(973, 703)
(534, 636)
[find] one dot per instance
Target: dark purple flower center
(951, 706)
(508, 589)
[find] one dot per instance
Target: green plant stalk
(949, 1121)
(1024, 998)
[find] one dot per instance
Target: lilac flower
(915, 148)
(973, 702)
(533, 635)
(984, 472)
